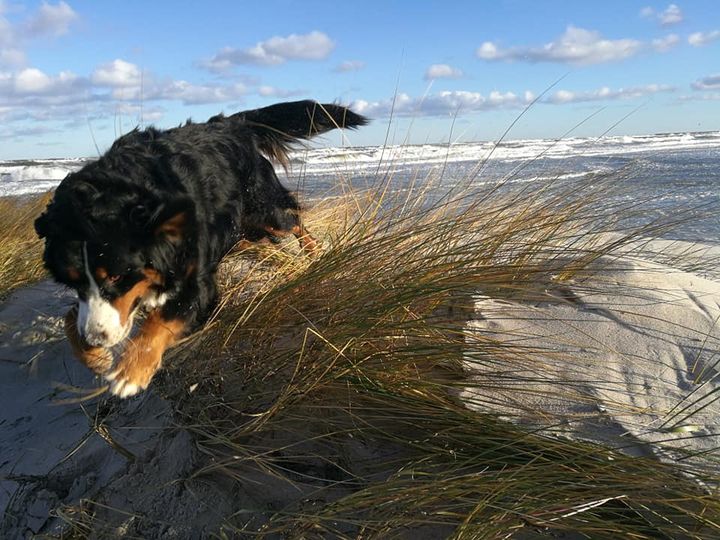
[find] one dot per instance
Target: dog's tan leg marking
(307, 241)
(96, 358)
(143, 355)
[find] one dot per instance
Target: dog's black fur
(175, 201)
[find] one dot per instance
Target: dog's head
(116, 244)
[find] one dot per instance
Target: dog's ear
(173, 219)
(45, 225)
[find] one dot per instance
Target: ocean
(668, 174)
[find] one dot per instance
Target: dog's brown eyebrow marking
(173, 227)
(124, 304)
(101, 274)
(72, 273)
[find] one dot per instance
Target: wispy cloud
(271, 91)
(442, 104)
(274, 51)
(666, 43)
(442, 71)
(700, 39)
(706, 96)
(33, 94)
(607, 94)
(194, 94)
(711, 82)
(17, 133)
(459, 102)
(671, 15)
(51, 20)
(575, 46)
(349, 65)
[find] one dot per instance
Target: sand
(627, 346)
(630, 356)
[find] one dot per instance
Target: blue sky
(73, 71)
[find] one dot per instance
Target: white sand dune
(627, 357)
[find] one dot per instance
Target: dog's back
(264, 135)
(224, 166)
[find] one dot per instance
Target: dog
(146, 225)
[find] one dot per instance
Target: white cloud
(194, 94)
(51, 20)
(274, 51)
(6, 31)
(12, 57)
(349, 65)
(488, 51)
(647, 12)
(442, 104)
(271, 91)
(706, 96)
(128, 83)
(666, 43)
(605, 93)
(672, 15)
(669, 16)
(711, 82)
(33, 95)
(700, 39)
(459, 102)
(32, 81)
(575, 46)
(118, 73)
(144, 114)
(442, 71)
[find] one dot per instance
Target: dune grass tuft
(338, 376)
(20, 248)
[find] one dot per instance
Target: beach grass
(339, 375)
(20, 248)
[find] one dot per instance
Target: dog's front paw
(133, 372)
(96, 358)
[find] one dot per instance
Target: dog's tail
(278, 126)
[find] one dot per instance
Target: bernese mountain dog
(146, 225)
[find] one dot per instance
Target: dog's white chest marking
(98, 321)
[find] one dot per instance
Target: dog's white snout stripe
(98, 321)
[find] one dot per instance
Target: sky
(75, 74)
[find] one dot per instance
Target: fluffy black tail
(278, 126)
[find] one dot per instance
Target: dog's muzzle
(99, 323)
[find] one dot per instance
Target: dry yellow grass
(349, 362)
(20, 248)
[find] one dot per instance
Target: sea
(668, 174)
